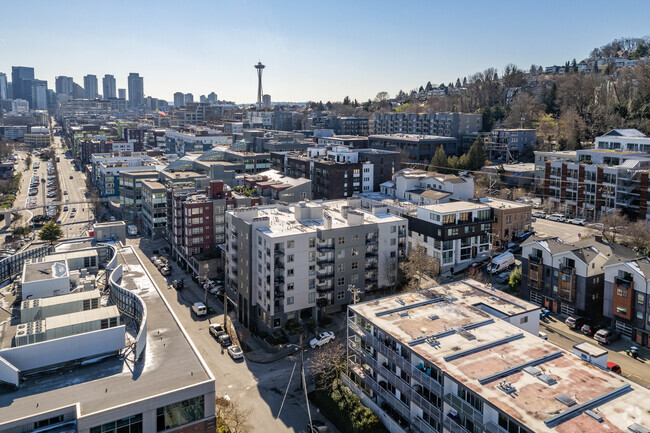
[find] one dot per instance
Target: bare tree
(232, 417)
(637, 236)
(613, 223)
(328, 363)
(418, 265)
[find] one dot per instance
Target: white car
(322, 338)
(543, 335)
(235, 352)
(539, 214)
(578, 221)
(557, 217)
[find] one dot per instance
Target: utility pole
(302, 372)
(225, 308)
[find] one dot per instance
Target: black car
(574, 322)
(224, 340)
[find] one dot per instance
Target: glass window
(177, 414)
(341, 240)
(341, 281)
(312, 298)
(312, 242)
(290, 244)
(290, 300)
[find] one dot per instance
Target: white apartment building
(194, 141)
(428, 187)
(457, 233)
(288, 262)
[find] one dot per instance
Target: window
(290, 244)
(452, 232)
(177, 414)
(340, 281)
(470, 398)
(621, 292)
(312, 256)
(449, 219)
(312, 242)
(289, 272)
(393, 229)
(355, 238)
(58, 419)
(434, 216)
(639, 315)
(341, 240)
(523, 320)
(393, 242)
(340, 295)
(290, 258)
(354, 278)
(465, 217)
(341, 267)
(311, 298)
(312, 269)
(312, 284)
(355, 252)
(131, 424)
(621, 310)
(640, 298)
(355, 265)
(290, 300)
(289, 286)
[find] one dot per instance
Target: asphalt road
(637, 370)
(566, 231)
(258, 388)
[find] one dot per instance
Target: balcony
(451, 425)
(371, 252)
(324, 275)
(324, 288)
(371, 240)
(465, 408)
(623, 282)
(278, 280)
(567, 270)
(325, 247)
(278, 294)
(278, 252)
(278, 264)
(535, 259)
(371, 265)
(325, 260)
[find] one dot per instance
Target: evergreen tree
(574, 66)
(465, 82)
(440, 162)
(51, 232)
(457, 83)
(428, 87)
(476, 156)
(346, 100)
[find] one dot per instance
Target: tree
(328, 363)
(515, 279)
(381, 97)
(613, 223)
(637, 236)
(231, 418)
(513, 76)
(346, 100)
(524, 109)
(457, 83)
(50, 232)
(476, 155)
(418, 265)
(440, 162)
(574, 66)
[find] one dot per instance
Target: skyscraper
(3, 86)
(64, 85)
(212, 98)
(21, 77)
(38, 99)
(136, 90)
(179, 99)
(189, 98)
(109, 87)
(121, 93)
(90, 86)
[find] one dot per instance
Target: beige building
(511, 219)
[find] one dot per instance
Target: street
(634, 369)
(258, 388)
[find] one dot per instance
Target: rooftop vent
(403, 314)
(568, 401)
(506, 387)
(463, 333)
(636, 428)
(533, 371)
(434, 317)
(450, 298)
(400, 301)
(594, 415)
(548, 380)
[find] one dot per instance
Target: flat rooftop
(412, 137)
(498, 203)
(44, 271)
(490, 350)
(168, 364)
(455, 206)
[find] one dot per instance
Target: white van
(199, 309)
(502, 262)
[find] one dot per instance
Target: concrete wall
(46, 288)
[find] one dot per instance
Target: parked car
(522, 237)
(574, 322)
(588, 329)
(224, 340)
(317, 427)
(235, 352)
(322, 338)
(539, 214)
(578, 221)
(216, 330)
(199, 309)
(614, 368)
(542, 335)
(557, 217)
(606, 336)
(502, 262)
(503, 277)
(165, 271)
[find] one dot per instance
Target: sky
(313, 50)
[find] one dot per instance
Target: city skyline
(304, 61)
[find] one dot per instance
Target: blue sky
(313, 50)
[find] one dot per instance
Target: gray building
(179, 99)
(136, 90)
(91, 86)
(154, 209)
(109, 87)
(442, 124)
(509, 144)
(121, 93)
(420, 148)
(189, 98)
(38, 100)
(64, 85)
(3, 86)
(21, 80)
(296, 261)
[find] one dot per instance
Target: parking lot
(564, 230)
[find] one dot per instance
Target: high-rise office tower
(212, 98)
(38, 99)
(203, 99)
(64, 85)
(21, 78)
(109, 87)
(136, 90)
(90, 86)
(189, 98)
(78, 91)
(179, 99)
(121, 93)
(3, 86)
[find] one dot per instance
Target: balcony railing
(453, 427)
(535, 259)
(622, 282)
(325, 247)
(462, 406)
(568, 270)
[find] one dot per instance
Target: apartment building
(154, 209)
(338, 172)
(542, 157)
(627, 297)
(568, 278)
(352, 126)
(599, 181)
(427, 187)
(179, 182)
(353, 141)
(131, 192)
(194, 140)
(511, 219)
(509, 144)
(418, 148)
(198, 225)
(457, 234)
(440, 124)
(630, 140)
(277, 187)
(465, 358)
(294, 261)
(106, 169)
